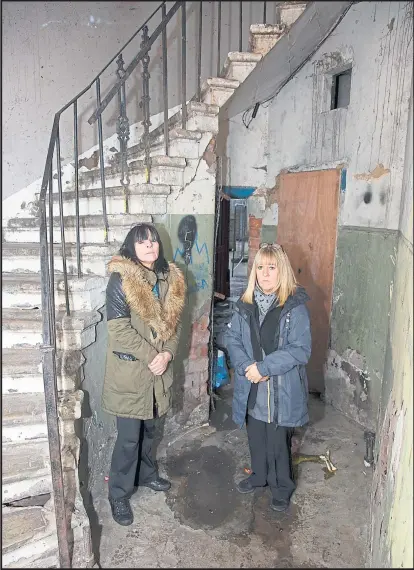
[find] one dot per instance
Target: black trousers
(132, 463)
(271, 458)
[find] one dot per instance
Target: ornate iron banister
(46, 201)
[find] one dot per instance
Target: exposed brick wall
(196, 373)
(255, 232)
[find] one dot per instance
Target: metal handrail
(47, 263)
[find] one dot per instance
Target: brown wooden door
(307, 229)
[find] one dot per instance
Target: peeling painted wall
(392, 494)
(52, 50)
(367, 140)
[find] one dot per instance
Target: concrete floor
(203, 522)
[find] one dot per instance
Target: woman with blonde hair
(269, 344)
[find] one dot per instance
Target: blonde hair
(286, 284)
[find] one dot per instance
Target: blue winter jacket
(285, 366)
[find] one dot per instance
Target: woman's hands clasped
(159, 365)
(254, 375)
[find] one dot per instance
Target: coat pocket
(125, 356)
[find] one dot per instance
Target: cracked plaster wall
(368, 139)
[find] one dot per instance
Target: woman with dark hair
(144, 300)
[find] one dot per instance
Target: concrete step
(25, 470)
(29, 538)
(24, 415)
(183, 143)
(22, 328)
(24, 291)
(263, 37)
(164, 170)
(201, 118)
(142, 198)
(216, 90)
(26, 230)
(21, 370)
(239, 65)
(290, 12)
(25, 257)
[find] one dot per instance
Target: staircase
(78, 268)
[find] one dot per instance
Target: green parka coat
(140, 325)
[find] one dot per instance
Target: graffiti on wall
(194, 253)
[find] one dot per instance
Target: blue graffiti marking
(199, 249)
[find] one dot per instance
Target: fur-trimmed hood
(161, 316)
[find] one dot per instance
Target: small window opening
(341, 89)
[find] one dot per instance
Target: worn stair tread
(134, 167)
(243, 57)
(23, 409)
(115, 192)
(85, 221)
(28, 281)
(16, 249)
(31, 319)
(219, 83)
(21, 361)
(267, 29)
(25, 460)
(25, 526)
(156, 139)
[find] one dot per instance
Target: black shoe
(280, 506)
(121, 511)
(245, 486)
(158, 484)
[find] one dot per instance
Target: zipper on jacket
(279, 378)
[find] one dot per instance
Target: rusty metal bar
(218, 36)
(76, 160)
(62, 222)
(264, 12)
(183, 66)
(101, 163)
(165, 85)
(200, 35)
(241, 26)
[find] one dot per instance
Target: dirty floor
(203, 522)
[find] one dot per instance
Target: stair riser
(158, 175)
(178, 149)
(21, 433)
(72, 340)
(289, 14)
(263, 43)
(239, 71)
(30, 487)
(26, 384)
(156, 205)
(25, 264)
(214, 96)
(89, 235)
(78, 301)
(203, 123)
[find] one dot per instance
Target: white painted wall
(52, 50)
(304, 133)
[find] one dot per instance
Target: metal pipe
(165, 85)
(183, 66)
(218, 36)
(76, 157)
(264, 12)
(101, 165)
(200, 34)
(240, 27)
(62, 223)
